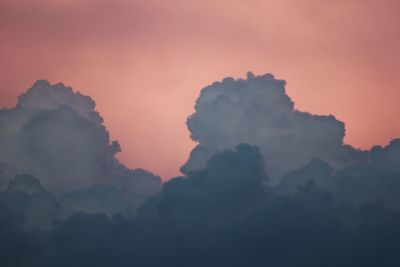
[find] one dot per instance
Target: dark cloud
(26, 199)
(97, 199)
(231, 181)
(224, 215)
(386, 159)
(6, 174)
(258, 111)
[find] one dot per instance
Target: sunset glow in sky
(145, 62)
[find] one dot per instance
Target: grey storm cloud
(258, 111)
(56, 135)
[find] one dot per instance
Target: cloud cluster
(56, 135)
(222, 212)
(258, 111)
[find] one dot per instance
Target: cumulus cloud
(57, 135)
(258, 111)
(222, 211)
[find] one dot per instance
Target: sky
(145, 62)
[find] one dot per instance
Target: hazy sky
(144, 62)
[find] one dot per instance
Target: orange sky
(144, 62)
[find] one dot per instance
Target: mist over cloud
(258, 111)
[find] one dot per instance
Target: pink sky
(144, 62)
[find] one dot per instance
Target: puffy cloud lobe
(353, 187)
(56, 135)
(24, 183)
(136, 185)
(37, 208)
(66, 151)
(257, 111)
(357, 187)
(232, 180)
(43, 96)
